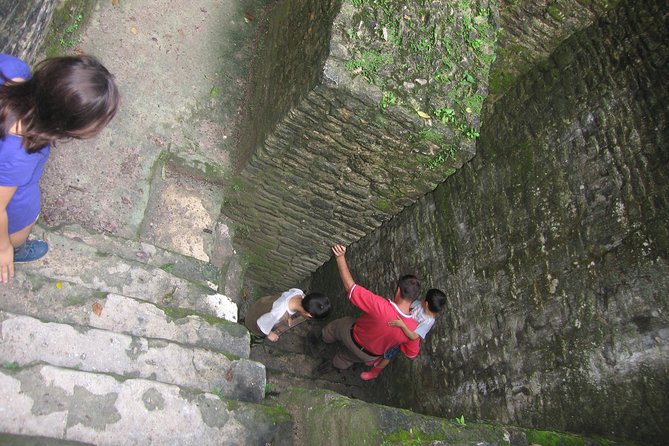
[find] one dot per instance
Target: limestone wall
(23, 25)
(292, 45)
(394, 112)
(532, 29)
(552, 245)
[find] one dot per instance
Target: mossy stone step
(72, 260)
(26, 340)
(52, 402)
(177, 264)
(50, 300)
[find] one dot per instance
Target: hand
(7, 264)
(397, 323)
(339, 250)
(273, 336)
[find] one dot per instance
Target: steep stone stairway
(124, 334)
(103, 343)
(288, 364)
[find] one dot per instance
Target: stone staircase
(288, 365)
(110, 341)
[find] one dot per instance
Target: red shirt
(372, 330)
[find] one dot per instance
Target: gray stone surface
(178, 265)
(73, 261)
(181, 72)
(94, 408)
(67, 303)
(551, 246)
(339, 164)
(525, 42)
(190, 206)
(341, 421)
(27, 340)
(23, 25)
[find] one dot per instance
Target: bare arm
(344, 273)
(6, 248)
(408, 333)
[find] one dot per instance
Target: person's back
(367, 337)
(370, 328)
(272, 315)
(424, 312)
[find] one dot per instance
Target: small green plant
(219, 393)
(75, 25)
(168, 267)
(388, 99)
(446, 153)
(430, 135)
(237, 187)
(10, 365)
(368, 65)
(461, 420)
(469, 132)
(445, 115)
(268, 388)
(68, 40)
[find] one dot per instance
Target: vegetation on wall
(67, 23)
(430, 56)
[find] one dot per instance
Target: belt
(357, 344)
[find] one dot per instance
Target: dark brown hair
(409, 287)
(317, 305)
(67, 97)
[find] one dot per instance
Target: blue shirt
(18, 167)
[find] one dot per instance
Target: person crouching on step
(273, 315)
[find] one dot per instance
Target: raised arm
(400, 324)
(344, 273)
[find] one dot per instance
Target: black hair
(66, 97)
(436, 300)
(317, 305)
(409, 287)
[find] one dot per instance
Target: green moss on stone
(67, 24)
(410, 437)
(546, 438)
(74, 301)
(232, 405)
(555, 13)
(181, 313)
(383, 204)
(100, 295)
(276, 413)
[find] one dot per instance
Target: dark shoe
(313, 344)
(324, 367)
(257, 340)
(30, 250)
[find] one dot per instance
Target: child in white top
(288, 310)
(424, 312)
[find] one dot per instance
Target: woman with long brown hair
(65, 97)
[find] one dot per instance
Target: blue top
(18, 167)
